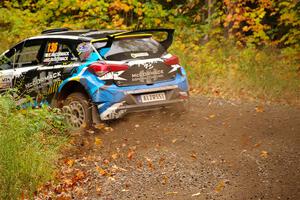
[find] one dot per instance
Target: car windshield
(124, 49)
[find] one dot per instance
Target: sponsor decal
(148, 66)
(174, 68)
(42, 80)
(141, 63)
(5, 82)
(83, 47)
(146, 76)
(136, 55)
(52, 89)
(56, 57)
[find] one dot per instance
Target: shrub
(234, 72)
(29, 144)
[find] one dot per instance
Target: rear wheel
(77, 110)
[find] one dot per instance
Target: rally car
(96, 74)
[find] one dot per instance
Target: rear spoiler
(165, 43)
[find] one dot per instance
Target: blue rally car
(96, 75)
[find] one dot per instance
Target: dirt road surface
(218, 150)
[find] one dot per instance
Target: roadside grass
(29, 146)
(223, 69)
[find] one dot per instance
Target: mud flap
(95, 115)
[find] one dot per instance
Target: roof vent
(54, 30)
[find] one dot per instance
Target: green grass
(29, 145)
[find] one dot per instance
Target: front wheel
(77, 110)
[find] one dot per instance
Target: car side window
(8, 58)
(59, 52)
(31, 53)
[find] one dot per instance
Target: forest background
(230, 48)
(233, 49)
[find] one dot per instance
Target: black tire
(77, 109)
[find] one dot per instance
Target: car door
(28, 61)
(59, 60)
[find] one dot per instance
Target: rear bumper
(113, 102)
(150, 106)
(131, 102)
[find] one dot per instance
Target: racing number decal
(52, 47)
(56, 53)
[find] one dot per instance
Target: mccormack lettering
(43, 79)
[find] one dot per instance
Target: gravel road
(217, 150)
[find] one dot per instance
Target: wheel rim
(75, 114)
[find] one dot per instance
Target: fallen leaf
(196, 194)
(79, 175)
(90, 131)
(259, 109)
(68, 182)
(114, 156)
(98, 190)
(212, 116)
(63, 198)
(165, 180)
(98, 141)
(58, 189)
(171, 193)
(108, 129)
(115, 168)
(257, 145)
(220, 186)
(150, 164)
(79, 191)
(100, 126)
(130, 155)
(101, 171)
(70, 162)
(132, 148)
(213, 162)
(264, 154)
(194, 156)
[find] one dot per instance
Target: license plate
(153, 97)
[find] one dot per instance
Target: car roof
(85, 34)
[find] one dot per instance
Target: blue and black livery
(96, 75)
